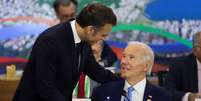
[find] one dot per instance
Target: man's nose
(123, 60)
(102, 38)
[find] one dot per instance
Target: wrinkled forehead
(138, 48)
(135, 50)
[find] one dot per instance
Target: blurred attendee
(62, 52)
(65, 9)
(184, 78)
(137, 61)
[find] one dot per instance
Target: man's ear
(89, 29)
(146, 67)
(194, 50)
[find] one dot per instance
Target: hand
(193, 96)
(97, 50)
(97, 57)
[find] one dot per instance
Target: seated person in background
(65, 9)
(184, 78)
(137, 61)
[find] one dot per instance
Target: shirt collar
(139, 87)
(198, 64)
(75, 34)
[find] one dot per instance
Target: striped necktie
(128, 96)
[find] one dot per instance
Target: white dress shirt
(76, 38)
(138, 93)
(75, 34)
(185, 97)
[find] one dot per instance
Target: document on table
(77, 99)
(198, 99)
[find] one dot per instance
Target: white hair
(147, 57)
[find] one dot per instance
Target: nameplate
(198, 99)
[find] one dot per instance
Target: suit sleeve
(46, 60)
(97, 72)
(108, 57)
(172, 81)
(94, 96)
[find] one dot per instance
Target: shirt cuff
(185, 97)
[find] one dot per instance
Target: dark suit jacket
(52, 69)
(114, 91)
(108, 57)
(182, 77)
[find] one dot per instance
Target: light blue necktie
(128, 96)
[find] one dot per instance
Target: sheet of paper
(198, 99)
(76, 99)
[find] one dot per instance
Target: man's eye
(131, 57)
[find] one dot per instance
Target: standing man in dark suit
(62, 52)
(184, 78)
(66, 10)
(136, 62)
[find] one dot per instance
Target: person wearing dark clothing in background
(184, 78)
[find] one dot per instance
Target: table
(8, 87)
(79, 99)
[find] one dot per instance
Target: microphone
(124, 93)
(108, 98)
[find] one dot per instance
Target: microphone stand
(124, 93)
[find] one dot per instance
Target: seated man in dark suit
(137, 61)
(184, 78)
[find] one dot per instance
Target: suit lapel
(147, 92)
(83, 56)
(121, 89)
(194, 77)
(115, 93)
(73, 54)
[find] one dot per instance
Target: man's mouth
(124, 69)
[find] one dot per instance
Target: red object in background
(117, 51)
(81, 86)
(160, 68)
(12, 59)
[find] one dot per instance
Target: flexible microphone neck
(124, 93)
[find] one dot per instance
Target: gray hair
(147, 57)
